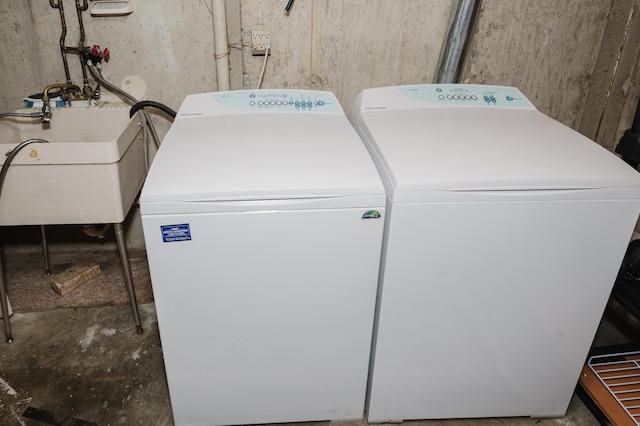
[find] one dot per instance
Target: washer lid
(275, 156)
(422, 148)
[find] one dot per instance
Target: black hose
(11, 155)
(142, 104)
(629, 145)
(287, 8)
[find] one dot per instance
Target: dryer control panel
(259, 101)
(441, 96)
(464, 94)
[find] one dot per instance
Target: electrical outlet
(260, 39)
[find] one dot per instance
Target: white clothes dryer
(504, 234)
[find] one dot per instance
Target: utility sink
(90, 171)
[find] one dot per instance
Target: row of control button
(490, 99)
(458, 97)
(297, 104)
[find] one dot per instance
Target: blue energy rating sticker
(173, 233)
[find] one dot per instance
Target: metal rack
(619, 374)
(610, 381)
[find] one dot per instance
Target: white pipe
(220, 43)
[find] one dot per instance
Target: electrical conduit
(457, 41)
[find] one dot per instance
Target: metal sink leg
(128, 277)
(4, 305)
(45, 251)
(126, 270)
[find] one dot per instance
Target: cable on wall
(287, 8)
(264, 67)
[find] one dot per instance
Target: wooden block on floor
(74, 276)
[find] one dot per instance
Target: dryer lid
(464, 148)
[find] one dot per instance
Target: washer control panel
(284, 100)
(259, 101)
(289, 100)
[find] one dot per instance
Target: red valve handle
(100, 54)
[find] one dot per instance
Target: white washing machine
(504, 234)
(263, 217)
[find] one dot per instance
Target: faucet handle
(98, 55)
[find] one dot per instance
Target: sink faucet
(46, 113)
(69, 92)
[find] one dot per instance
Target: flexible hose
(115, 89)
(22, 114)
(158, 105)
(130, 99)
(12, 154)
(4, 306)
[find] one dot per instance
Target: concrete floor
(85, 366)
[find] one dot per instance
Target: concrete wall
(169, 44)
(346, 46)
(574, 59)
